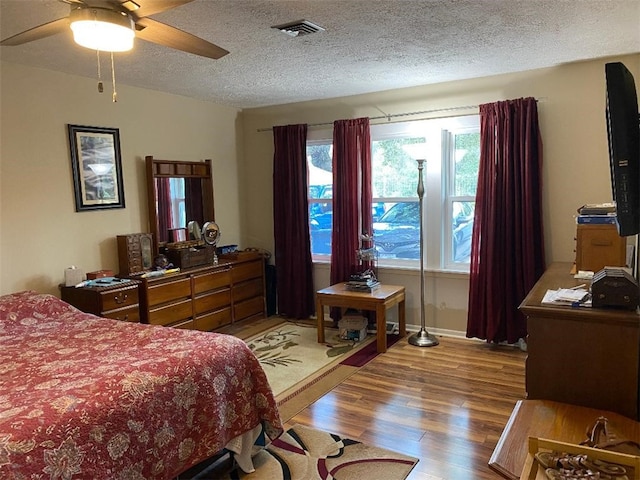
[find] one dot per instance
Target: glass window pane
(397, 233)
(466, 163)
(320, 190)
(319, 168)
(462, 224)
(320, 228)
(393, 169)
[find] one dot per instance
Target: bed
(88, 397)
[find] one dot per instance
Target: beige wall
(571, 109)
(40, 232)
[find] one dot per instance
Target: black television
(623, 129)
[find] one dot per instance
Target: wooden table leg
(381, 327)
(402, 322)
(320, 317)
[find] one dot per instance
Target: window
(320, 196)
(451, 148)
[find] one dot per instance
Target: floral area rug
(304, 453)
(301, 370)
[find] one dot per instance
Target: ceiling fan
(114, 17)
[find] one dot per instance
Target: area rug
(290, 353)
(304, 453)
(301, 370)
(368, 352)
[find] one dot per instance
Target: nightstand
(119, 302)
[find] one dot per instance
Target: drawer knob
(121, 298)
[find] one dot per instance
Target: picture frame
(97, 167)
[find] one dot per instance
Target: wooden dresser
(581, 356)
(119, 302)
(207, 297)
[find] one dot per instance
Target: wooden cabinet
(598, 246)
(581, 356)
(135, 253)
(206, 298)
(120, 302)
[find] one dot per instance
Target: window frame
(448, 141)
(438, 180)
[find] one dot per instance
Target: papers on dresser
(574, 297)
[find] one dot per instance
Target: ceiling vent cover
(299, 28)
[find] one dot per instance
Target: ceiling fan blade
(156, 32)
(36, 33)
(145, 8)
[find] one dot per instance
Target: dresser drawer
(211, 281)
(159, 293)
(244, 290)
(114, 299)
(245, 271)
(129, 314)
(248, 308)
(168, 314)
(186, 324)
(214, 320)
(213, 301)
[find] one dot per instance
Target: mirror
(179, 193)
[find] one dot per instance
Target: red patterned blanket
(88, 397)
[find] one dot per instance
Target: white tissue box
(73, 276)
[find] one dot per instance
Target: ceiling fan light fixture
(102, 29)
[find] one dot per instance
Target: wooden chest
(191, 256)
(598, 246)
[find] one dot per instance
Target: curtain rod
(389, 116)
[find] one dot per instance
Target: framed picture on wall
(97, 167)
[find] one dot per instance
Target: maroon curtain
(294, 268)
(193, 200)
(165, 215)
(352, 200)
(507, 249)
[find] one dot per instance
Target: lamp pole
(422, 338)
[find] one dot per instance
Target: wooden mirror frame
(177, 169)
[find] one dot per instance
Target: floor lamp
(422, 338)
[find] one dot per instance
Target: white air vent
(299, 28)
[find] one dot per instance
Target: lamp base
(423, 339)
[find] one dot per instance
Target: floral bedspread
(88, 397)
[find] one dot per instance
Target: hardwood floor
(446, 405)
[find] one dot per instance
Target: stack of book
(597, 213)
(361, 283)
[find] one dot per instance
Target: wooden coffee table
(552, 421)
(379, 300)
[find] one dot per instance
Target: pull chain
(113, 76)
(100, 86)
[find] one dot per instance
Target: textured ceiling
(367, 45)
